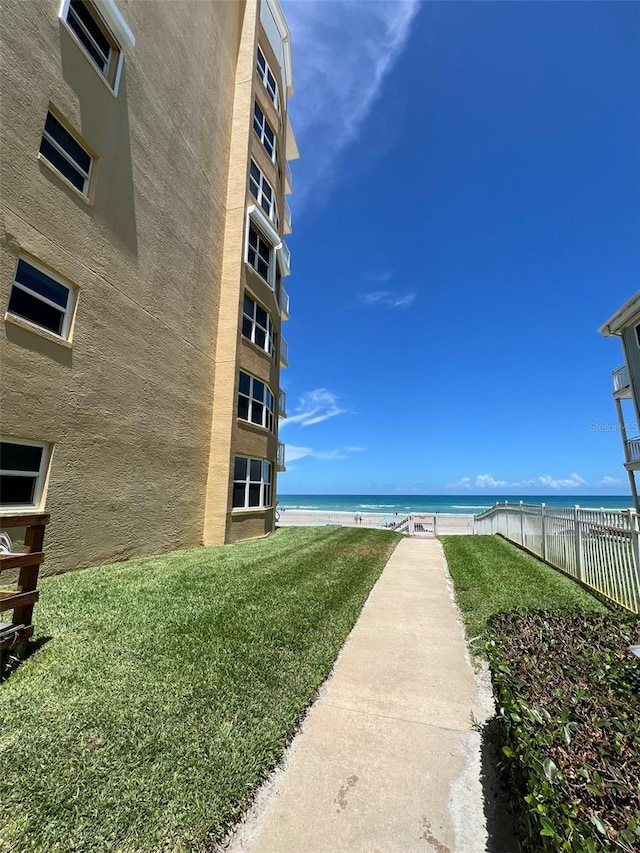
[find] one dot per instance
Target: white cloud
(463, 483)
(313, 408)
(385, 275)
(571, 480)
(389, 299)
(609, 481)
(484, 481)
(294, 452)
(488, 481)
(342, 51)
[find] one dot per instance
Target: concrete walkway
(387, 759)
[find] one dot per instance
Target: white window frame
(40, 475)
(108, 72)
(261, 133)
(264, 484)
(261, 196)
(270, 344)
(263, 74)
(259, 222)
(68, 157)
(268, 413)
(67, 312)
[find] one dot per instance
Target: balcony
(288, 179)
(284, 353)
(287, 218)
(632, 452)
(282, 404)
(284, 303)
(280, 466)
(621, 383)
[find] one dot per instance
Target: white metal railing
(600, 548)
(632, 450)
(286, 255)
(282, 404)
(284, 353)
(620, 377)
(287, 218)
(288, 184)
(284, 303)
(280, 457)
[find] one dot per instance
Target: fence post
(578, 535)
(543, 528)
(435, 525)
(411, 526)
(521, 523)
(635, 542)
(506, 515)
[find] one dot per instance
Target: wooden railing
(24, 596)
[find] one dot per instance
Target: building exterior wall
(140, 407)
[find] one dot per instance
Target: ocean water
(427, 504)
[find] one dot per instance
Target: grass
(170, 687)
(491, 575)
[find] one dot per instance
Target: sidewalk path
(387, 761)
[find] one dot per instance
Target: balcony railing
(621, 379)
(282, 404)
(284, 353)
(287, 218)
(280, 458)
(632, 451)
(284, 303)
(288, 179)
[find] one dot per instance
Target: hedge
(567, 690)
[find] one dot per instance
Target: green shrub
(567, 691)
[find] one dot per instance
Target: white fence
(440, 525)
(599, 548)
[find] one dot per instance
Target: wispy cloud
(488, 481)
(342, 52)
(383, 275)
(389, 299)
(609, 481)
(313, 408)
(294, 452)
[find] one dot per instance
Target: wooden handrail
(23, 519)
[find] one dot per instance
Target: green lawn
(491, 575)
(170, 687)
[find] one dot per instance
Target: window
(263, 193)
(65, 153)
(23, 466)
(264, 132)
(95, 38)
(41, 299)
(269, 81)
(255, 401)
(260, 255)
(638, 334)
(257, 326)
(251, 483)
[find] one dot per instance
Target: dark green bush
(568, 696)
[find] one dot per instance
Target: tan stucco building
(144, 173)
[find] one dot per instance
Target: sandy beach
(318, 518)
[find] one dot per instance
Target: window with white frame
(62, 150)
(94, 37)
(252, 482)
(41, 298)
(260, 254)
(257, 326)
(23, 468)
(263, 193)
(264, 131)
(255, 401)
(269, 81)
(637, 330)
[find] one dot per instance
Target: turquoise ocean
(442, 503)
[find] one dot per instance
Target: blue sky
(466, 214)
